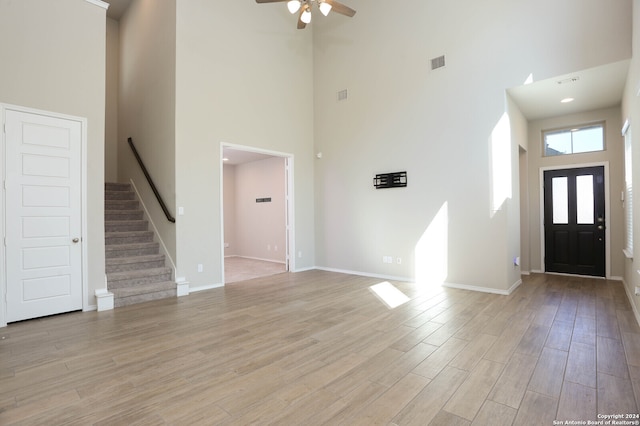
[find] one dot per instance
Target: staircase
(136, 270)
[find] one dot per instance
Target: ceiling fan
(304, 8)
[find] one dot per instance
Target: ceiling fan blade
(340, 8)
(301, 24)
(271, 1)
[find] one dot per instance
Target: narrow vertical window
(628, 191)
(560, 200)
(584, 200)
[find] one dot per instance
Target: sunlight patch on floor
(389, 294)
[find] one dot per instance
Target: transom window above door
(574, 140)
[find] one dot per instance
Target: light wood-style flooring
(238, 268)
(320, 348)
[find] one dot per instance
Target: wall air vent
(343, 95)
(437, 62)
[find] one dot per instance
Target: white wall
(147, 102)
(53, 59)
(436, 125)
(260, 227)
(631, 111)
(111, 109)
(244, 76)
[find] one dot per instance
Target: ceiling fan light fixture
(306, 16)
(293, 6)
(325, 8)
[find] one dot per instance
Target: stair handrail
(170, 218)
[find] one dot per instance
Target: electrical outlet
(399, 260)
(300, 254)
(637, 291)
(200, 267)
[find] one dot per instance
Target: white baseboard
(365, 274)
(630, 296)
(484, 289)
(310, 268)
(205, 287)
(282, 262)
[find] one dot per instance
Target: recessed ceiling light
(566, 100)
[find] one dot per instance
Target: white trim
(607, 211)
(562, 274)
(83, 204)
(104, 299)
(506, 292)
(627, 254)
(290, 205)
(156, 233)
(630, 296)
(182, 287)
(258, 258)
(411, 280)
(205, 287)
(365, 274)
(99, 3)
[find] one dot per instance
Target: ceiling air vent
(342, 95)
(437, 62)
(568, 80)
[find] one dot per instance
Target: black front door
(574, 222)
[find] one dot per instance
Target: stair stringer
(156, 234)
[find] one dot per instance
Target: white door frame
(290, 225)
(607, 211)
(3, 206)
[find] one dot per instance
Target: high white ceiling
(595, 88)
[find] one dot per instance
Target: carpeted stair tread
(128, 237)
(132, 249)
(116, 186)
(145, 294)
(130, 263)
(144, 288)
(132, 275)
(135, 268)
(125, 225)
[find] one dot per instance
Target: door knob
(600, 227)
(75, 240)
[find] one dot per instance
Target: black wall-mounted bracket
(390, 180)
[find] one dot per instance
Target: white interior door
(43, 215)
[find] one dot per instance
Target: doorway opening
(256, 212)
(574, 213)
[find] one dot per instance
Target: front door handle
(75, 240)
(601, 227)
